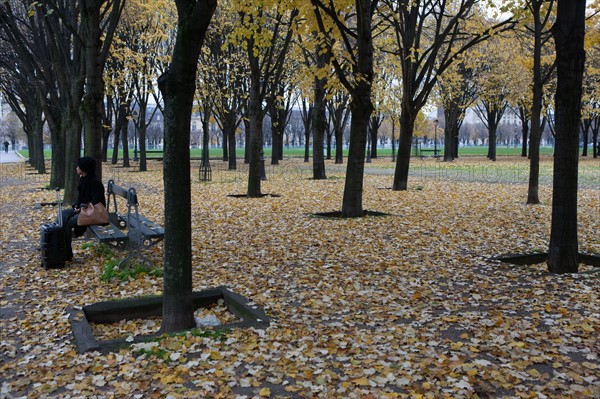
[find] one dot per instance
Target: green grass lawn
(299, 152)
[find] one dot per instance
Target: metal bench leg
(135, 245)
(144, 261)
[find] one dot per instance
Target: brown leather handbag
(92, 214)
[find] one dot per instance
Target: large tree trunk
(362, 107)
(246, 140)
(225, 145)
(595, 128)
(320, 119)
(307, 145)
(524, 138)
(407, 123)
(276, 137)
(178, 87)
(255, 119)
(536, 110)
(452, 113)
(329, 141)
(116, 137)
(534, 163)
(568, 32)
(374, 125)
(99, 20)
(448, 143)
(125, 143)
(92, 102)
(32, 150)
(58, 166)
(142, 139)
(72, 153)
(585, 135)
(142, 149)
(307, 121)
(393, 141)
(339, 146)
(492, 145)
(278, 123)
(353, 189)
(39, 161)
(229, 135)
(338, 111)
(232, 159)
(120, 134)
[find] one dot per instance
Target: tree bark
(374, 125)
(38, 145)
(141, 126)
(255, 119)
(178, 86)
(568, 32)
(362, 107)
(407, 123)
(307, 111)
(72, 153)
(230, 124)
(246, 139)
(585, 135)
(320, 118)
(125, 143)
(524, 138)
(453, 117)
(352, 205)
(595, 128)
(339, 113)
(492, 141)
(536, 109)
(92, 101)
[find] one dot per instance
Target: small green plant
(100, 249)
(112, 269)
(88, 245)
(219, 334)
(129, 271)
(152, 348)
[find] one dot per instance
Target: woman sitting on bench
(90, 190)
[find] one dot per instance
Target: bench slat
(108, 233)
(120, 191)
(148, 228)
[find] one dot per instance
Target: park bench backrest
(130, 195)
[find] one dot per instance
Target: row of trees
(457, 70)
(81, 66)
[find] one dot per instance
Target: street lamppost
(435, 123)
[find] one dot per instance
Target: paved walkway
(10, 157)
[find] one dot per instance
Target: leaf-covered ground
(400, 306)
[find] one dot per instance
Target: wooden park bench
(127, 231)
(435, 152)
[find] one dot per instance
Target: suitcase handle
(58, 201)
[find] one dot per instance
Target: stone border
(139, 308)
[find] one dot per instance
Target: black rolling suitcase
(52, 241)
